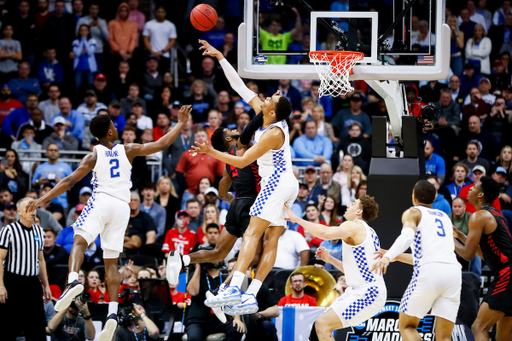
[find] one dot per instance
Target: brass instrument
(319, 284)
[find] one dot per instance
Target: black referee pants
(23, 312)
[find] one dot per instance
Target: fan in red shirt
(7, 104)
(297, 298)
(313, 215)
(163, 125)
(414, 102)
(180, 238)
(96, 287)
(478, 172)
(179, 298)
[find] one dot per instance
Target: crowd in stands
(64, 62)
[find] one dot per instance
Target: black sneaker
(72, 290)
(109, 329)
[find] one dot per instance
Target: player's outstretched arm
(86, 165)
(477, 224)
(323, 254)
(135, 149)
(318, 230)
(234, 79)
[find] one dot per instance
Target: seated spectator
(242, 121)
(460, 173)
(473, 159)
(500, 176)
(434, 164)
(477, 106)
(53, 254)
(199, 99)
(163, 124)
(55, 209)
(311, 179)
(13, 179)
(24, 85)
(7, 104)
(459, 216)
(123, 34)
(36, 122)
(229, 48)
(17, 118)
(141, 227)
(499, 78)
(425, 38)
(50, 107)
(9, 216)
(357, 146)
(486, 140)
(302, 197)
(45, 217)
(133, 97)
(498, 17)
(96, 287)
(143, 121)
(83, 197)
(348, 191)
(484, 86)
(211, 216)
(312, 215)
(114, 111)
(414, 102)
(139, 167)
(344, 118)
(159, 36)
(64, 140)
(140, 328)
(75, 123)
(99, 32)
(328, 210)
(156, 211)
(123, 78)
(89, 109)
(341, 175)
(50, 70)
(292, 250)
(505, 160)
(297, 298)
(312, 146)
(73, 322)
(212, 235)
(10, 54)
(478, 49)
(180, 238)
(66, 236)
(341, 284)
(231, 121)
(450, 110)
(325, 184)
(26, 146)
(287, 90)
(42, 13)
(52, 171)
(214, 121)
(440, 203)
(101, 88)
(332, 248)
(152, 80)
(84, 63)
(469, 80)
(6, 197)
(168, 199)
(478, 172)
(172, 155)
(361, 189)
(324, 128)
(430, 92)
(272, 38)
(455, 91)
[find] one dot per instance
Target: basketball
(203, 17)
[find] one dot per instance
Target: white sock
(72, 276)
(112, 308)
(186, 260)
(254, 287)
(237, 280)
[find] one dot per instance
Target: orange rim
(336, 57)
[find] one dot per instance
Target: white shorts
(276, 190)
(357, 305)
(436, 286)
(106, 216)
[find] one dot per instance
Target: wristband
(88, 317)
(142, 316)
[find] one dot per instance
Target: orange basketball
(203, 17)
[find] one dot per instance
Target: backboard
(385, 35)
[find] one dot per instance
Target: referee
(23, 278)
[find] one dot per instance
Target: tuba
(319, 284)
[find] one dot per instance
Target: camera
(125, 314)
(429, 112)
(84, 297)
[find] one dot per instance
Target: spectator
(242, 121)
(450, 110)
(46, 218)
(159, 37)
(7, 104)
(498, 18)
(302, 197)
(214, 80)
(143, 121)
(100, 86)
(18, 117)
(499, 78)
(332, 249)
(273, 39)
(66, 236)
(324, 101)
(53, 254)
(231, 121)
(456, 45)
(10, 54)
(163, 124)
(466, 25)
(470, 79)
(83, 198)
(214, 121)
(324, 128)
(478, 50)
(42, 13)
(65, 141)
(139, 328)
(5, 197)
(9, 215)
(504, 160)
(229, 48)
(288, 91)
(312, 146)
(500, 176)
(75, 123)
(477, 106)
(325, 186)
(122, 79)
(455, 90)
(50, 107)
(168, 199)
(156, 211)
(341, 175)
(349, 191)
(114, 111)
(84, 63)
(425, 38)
(478, 172)
(430, 92)
(52, 171)
(132, 98)
(27, 147)
(297, 298)
(73, 322)
(141, 227)
(123, 35)
(172, 155)
(195, 218)
(473, 15)
(180, 238)
(199, 99)
(499, 37)
(472, 159)
(96, 287)
(26, 31)
(487, 142)
(139, 167)
(313, 215)
(459, 216)
(137, 16)
(292, 250)
(440, 203)
(89, 109)
(24, 85)
(434, 164)
(152, 80)
(59, 32)
(484, 87)
(78, 9)
(345, 117)
(13, 179)
(460, 173)
(211, 213)
(98, 31)
(55, 209)
(211, 236)
(329, 211)
(216, 35)
(357, 146)
(224, 103)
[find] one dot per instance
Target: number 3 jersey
(433, 242)
(112, 173)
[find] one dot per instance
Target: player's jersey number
(114, 163)
(440, 226)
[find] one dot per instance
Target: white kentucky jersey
(275, 161)
(358, 260)
(112, 173)
(433, 242)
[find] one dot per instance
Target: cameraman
(68, 324)
(134, 324)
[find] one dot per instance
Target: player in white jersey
(278, 186)
(437, 278)
(366, 293)
(107, 212)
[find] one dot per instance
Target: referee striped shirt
(23, 246)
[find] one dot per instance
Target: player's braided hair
(369, 206)
(100, 125)
(218, 139)
(283, 109)
(490, 188)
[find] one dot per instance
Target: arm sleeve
(236, 82)
(251, 128)
(401, 244)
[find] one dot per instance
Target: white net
(333, 69)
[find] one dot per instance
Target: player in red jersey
(180, 238)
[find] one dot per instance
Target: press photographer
(134, 324)
(76, 321)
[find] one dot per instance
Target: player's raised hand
(200, 148)
(380, 267)
(184, 114)
(323, 254)
(291, 216)
(209, 50)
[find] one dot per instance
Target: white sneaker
(72, 290)
(219, 312)
(248, 305)
(107, 334)
(229, 296)
(174, 266)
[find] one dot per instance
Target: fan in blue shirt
(76, 120)
(24, 85)
(434, 164)
(312, 146)
(460, 172)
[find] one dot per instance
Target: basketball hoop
(334, 68)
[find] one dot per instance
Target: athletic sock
(112, 308)
(254, 287)
(237, 280)
(73, 276)
(186, 260)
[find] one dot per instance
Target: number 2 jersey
(112, 173)
(246, 181)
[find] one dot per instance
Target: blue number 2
(441, 227)
(115, 163)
